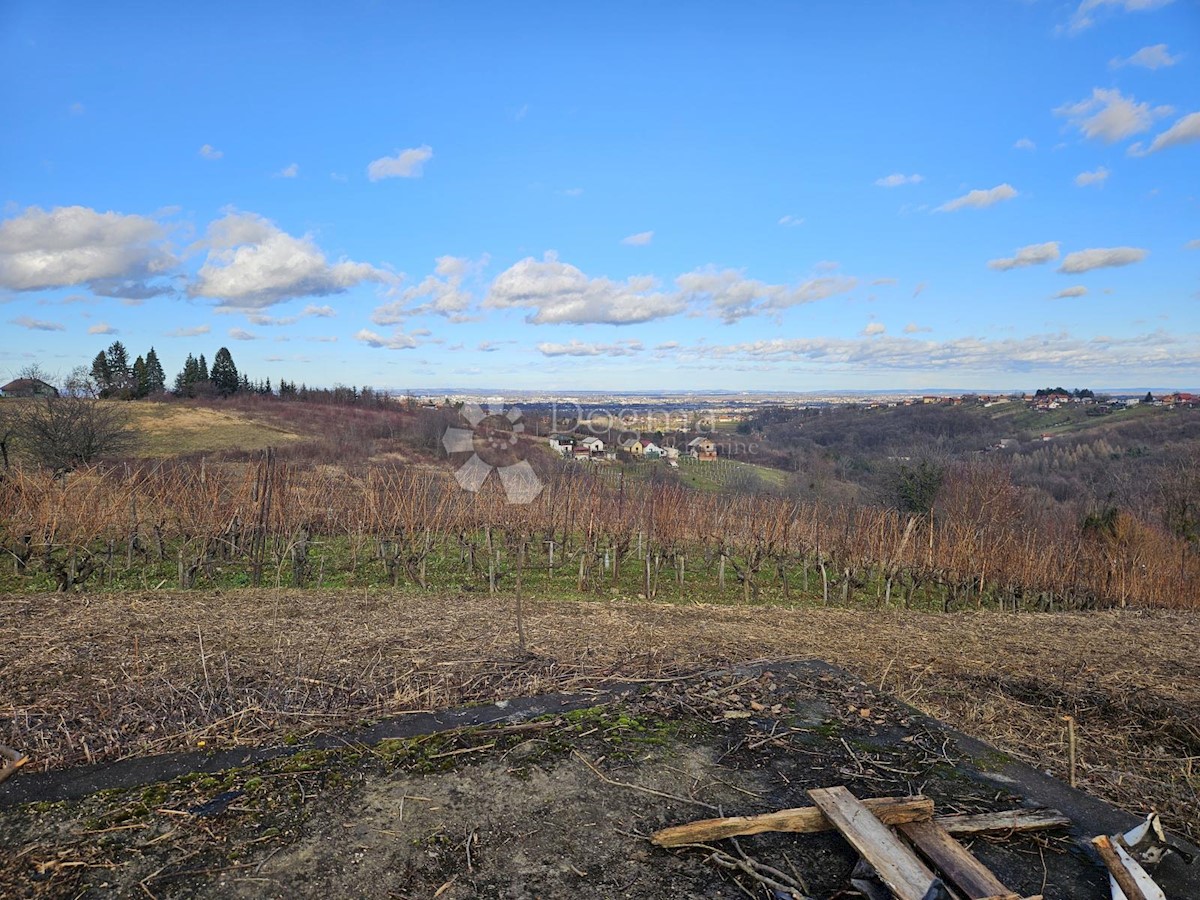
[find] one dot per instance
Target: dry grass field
(175, 429)
(89, 677)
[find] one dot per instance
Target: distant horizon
(929, 391)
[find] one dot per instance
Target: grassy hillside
(170, 429)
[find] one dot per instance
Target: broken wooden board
(889, 810)
(954, 861)
(800, 820)
(1009, 820)
(897, 866)
(10, 761)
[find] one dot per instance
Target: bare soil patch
(555, 806)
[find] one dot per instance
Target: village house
(28, 387)
(702, 448)
(650, 450)
(593, 445)
(562, 443)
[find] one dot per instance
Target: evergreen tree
(224, 373)
(101, 374)
(201, 369)
(186, 380)
(119, 372)
(141, 383)
(156, 379)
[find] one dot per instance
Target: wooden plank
(896, 865)
(802, 820)
(1012, 820)
(954, 861)
(889, 810)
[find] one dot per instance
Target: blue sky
(789, 196)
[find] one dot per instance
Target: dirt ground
(94, 678)
(556, 805)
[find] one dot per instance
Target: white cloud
(102, 328)
(398, 340)
(1049, 352)
(405, 164)
(914, 328)
(1032, 255)
(1083, 179)
(919, 288)
(1184, 131)
(442, 293)
(260, 318)
(731, 295)
(979, 199)
(1154, 57)
(1067, 293)
(1084, 15)
(1100, 258)
(1193, 245)
(885, 281)
(581, 348)
(1024, 144)
(641, 239)
(1109, 116)
(874, 329)
(558, 293)
(37, 324)
(252, 264)
(289, 171)
(240, 334)
(897, 179)
(790, 221)
(208, 151)
(194, 331)
(76, 109)
(572, 192)
(71, 245)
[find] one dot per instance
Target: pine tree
(156, 379)
(141, 383)
(120, 376)
(224, 373)
(188, 377)
(201, 369)
(101, 374)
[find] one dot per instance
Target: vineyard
(183, 524)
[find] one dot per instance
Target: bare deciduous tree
(68, 431)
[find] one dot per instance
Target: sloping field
(174, 430)
(107, 675)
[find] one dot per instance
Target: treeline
(115, 377)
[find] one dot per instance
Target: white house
(702, 448)
(562, 443)
(650, 450)
(594, 445)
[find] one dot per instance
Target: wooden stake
(1116, 868)
(1071, 745)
